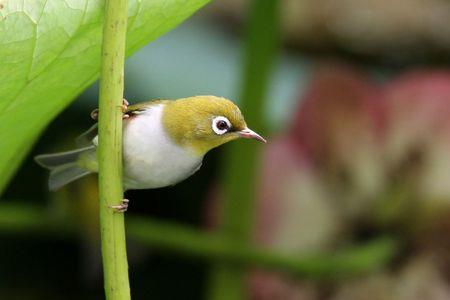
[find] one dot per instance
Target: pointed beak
(247, 133)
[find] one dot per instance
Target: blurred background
(350, 198)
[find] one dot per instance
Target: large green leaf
(50, 52)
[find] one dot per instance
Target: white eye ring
(218, 120)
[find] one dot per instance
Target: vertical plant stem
(227, 280)
(115, 265)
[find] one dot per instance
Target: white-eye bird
(164, 142)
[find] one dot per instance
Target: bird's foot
(125, 103)
(121, 208)
(94, 114)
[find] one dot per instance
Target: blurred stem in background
(114, 253)
(18, 219)
(240, 169)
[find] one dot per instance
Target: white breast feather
(151, 157)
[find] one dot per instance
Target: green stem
(115, 265)
(183, 241)
(352, 261)
(227, 281)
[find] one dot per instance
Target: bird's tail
(65, 167)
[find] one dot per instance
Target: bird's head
(205, 122)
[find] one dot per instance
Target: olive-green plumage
(188, 121)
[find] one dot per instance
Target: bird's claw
(125, 103)
(121, 208)
(94, 114)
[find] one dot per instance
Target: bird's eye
(221, 125)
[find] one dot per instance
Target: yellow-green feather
(188, 121)
(143, 105)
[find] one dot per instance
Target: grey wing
(85, 139)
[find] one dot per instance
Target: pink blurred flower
(418, 133)
(353, 145)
